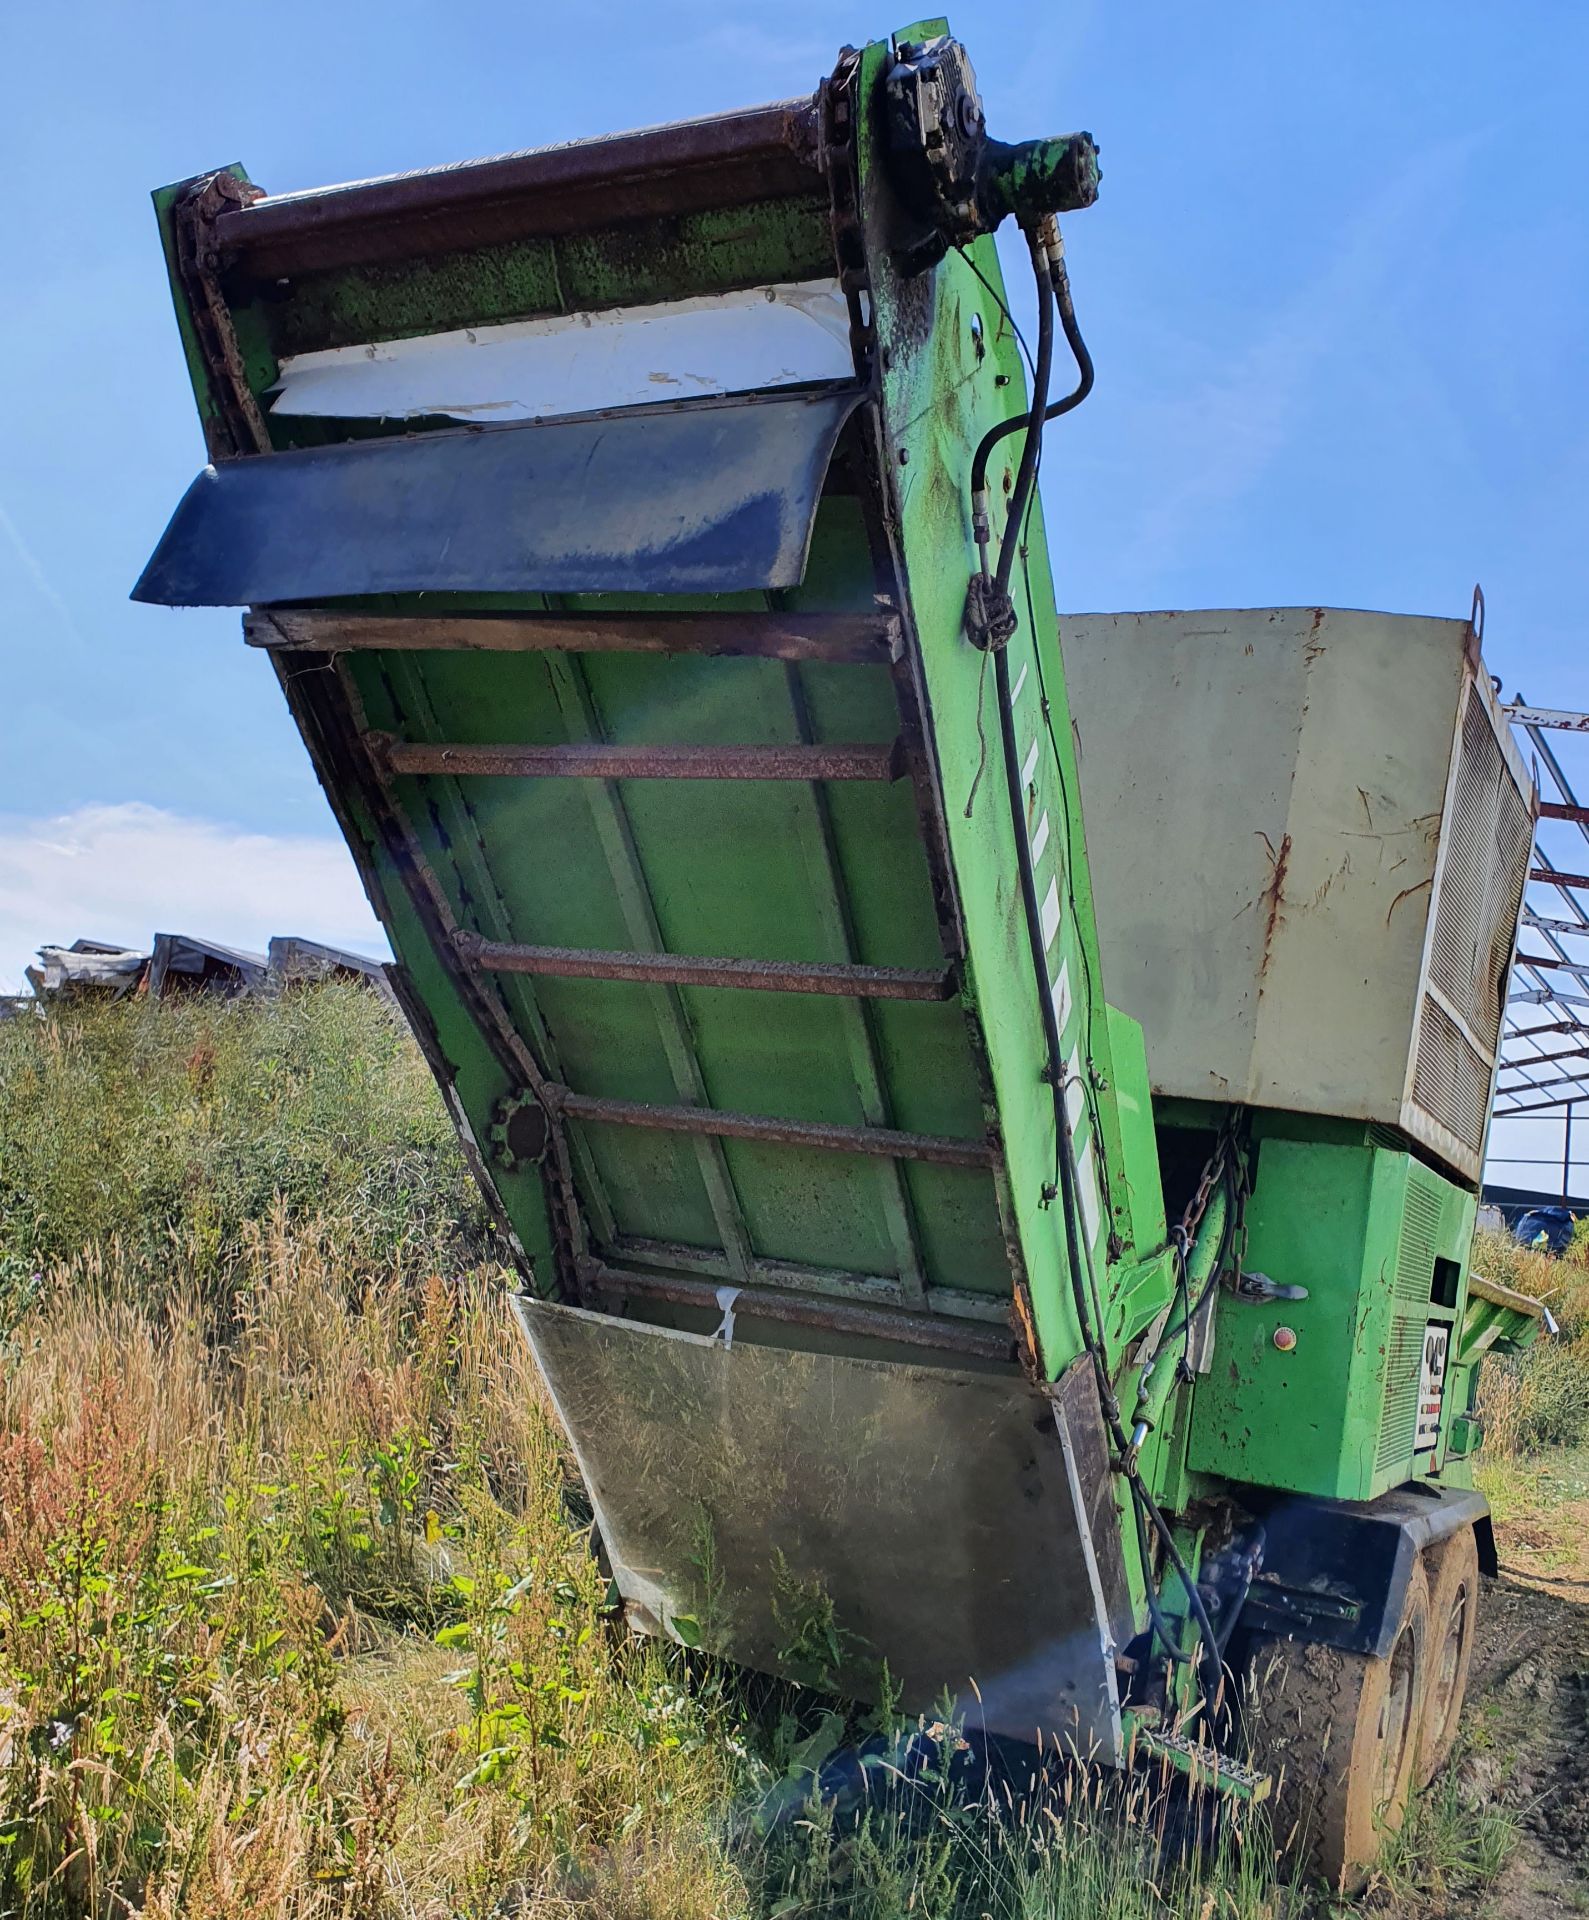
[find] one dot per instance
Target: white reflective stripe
(1020, 681)
(1050, 914)
(1060, 994)
(1040, 839)
(1088, 1194)
(1075, 1092)
(792, 334)
(1031, 766)
(724, 1331)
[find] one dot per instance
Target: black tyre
(1453, 1623)
(1340, 1733)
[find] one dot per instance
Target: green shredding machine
(645, 536)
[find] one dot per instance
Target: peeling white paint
(744, 342)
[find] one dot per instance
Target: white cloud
(126, 872)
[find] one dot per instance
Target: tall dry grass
(302, 1618)
(224, 1570)
(1539, 1398)
(169, 1130)
(299, 1613)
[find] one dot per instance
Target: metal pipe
(888, 1142)
(805, 1310)
(731, 159)
(764, 976)
(598, 761)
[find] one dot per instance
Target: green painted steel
(801, 872)
(622, 1124)
(951, 369)
(1380, 1241)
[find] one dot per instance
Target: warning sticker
(1431, 1386)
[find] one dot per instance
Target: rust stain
(1406, 894)
(1272, 898)
(1321, 893)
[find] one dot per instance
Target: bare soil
(1528, 1718)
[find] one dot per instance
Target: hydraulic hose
(1053, 287)
(1053, 275)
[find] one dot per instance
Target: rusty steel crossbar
(598, 761)
(684, 970)
(888, 1142)
(1558, 810)
(1561, 966)
(843, 638)
(731, 159)
(1523, 716)
(881, 1323)
(1558, 878)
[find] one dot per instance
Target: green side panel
(472, 1078)
(165, 200)
(770, 870)
(951, 368)
(1139, 1193)
(1381, 1242)
(779, 871)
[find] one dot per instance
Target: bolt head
(1285, 1339)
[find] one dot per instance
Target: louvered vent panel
(1488, 835)
(1403, 1361)
(1469, 839)
(1420, 1229)
(1451, 1080)
(1514, 847)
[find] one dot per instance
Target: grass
(302, 1619)
(1538, 1399)
(168, 1131)
(299, 1615)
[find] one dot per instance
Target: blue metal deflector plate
(689, 500)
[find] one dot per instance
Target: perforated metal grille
(1451, 1079)
(1420, 1229)
(1487, 838)
(1403, 1359)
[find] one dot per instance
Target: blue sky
(1335, 288)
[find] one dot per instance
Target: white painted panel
(1062, 998)
(1087, 1193)
(762, 337)
(1075, 1092)
(1266, 794)
(1050, 914)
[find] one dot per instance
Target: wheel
(1339, 1732)
(1453, 1622)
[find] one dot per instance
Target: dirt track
(1529, 1693)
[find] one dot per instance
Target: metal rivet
(1285, 1339)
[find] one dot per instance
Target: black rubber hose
(1059, 281)
(1160, 1626)
(1183, 1572)
(1073, 339)
(1032, 446)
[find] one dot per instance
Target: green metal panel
(1362, 1227)
(951, 368)
(786, 871)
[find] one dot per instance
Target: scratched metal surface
(1268, 792)
(697, 499)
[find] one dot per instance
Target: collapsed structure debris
(186, 963)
